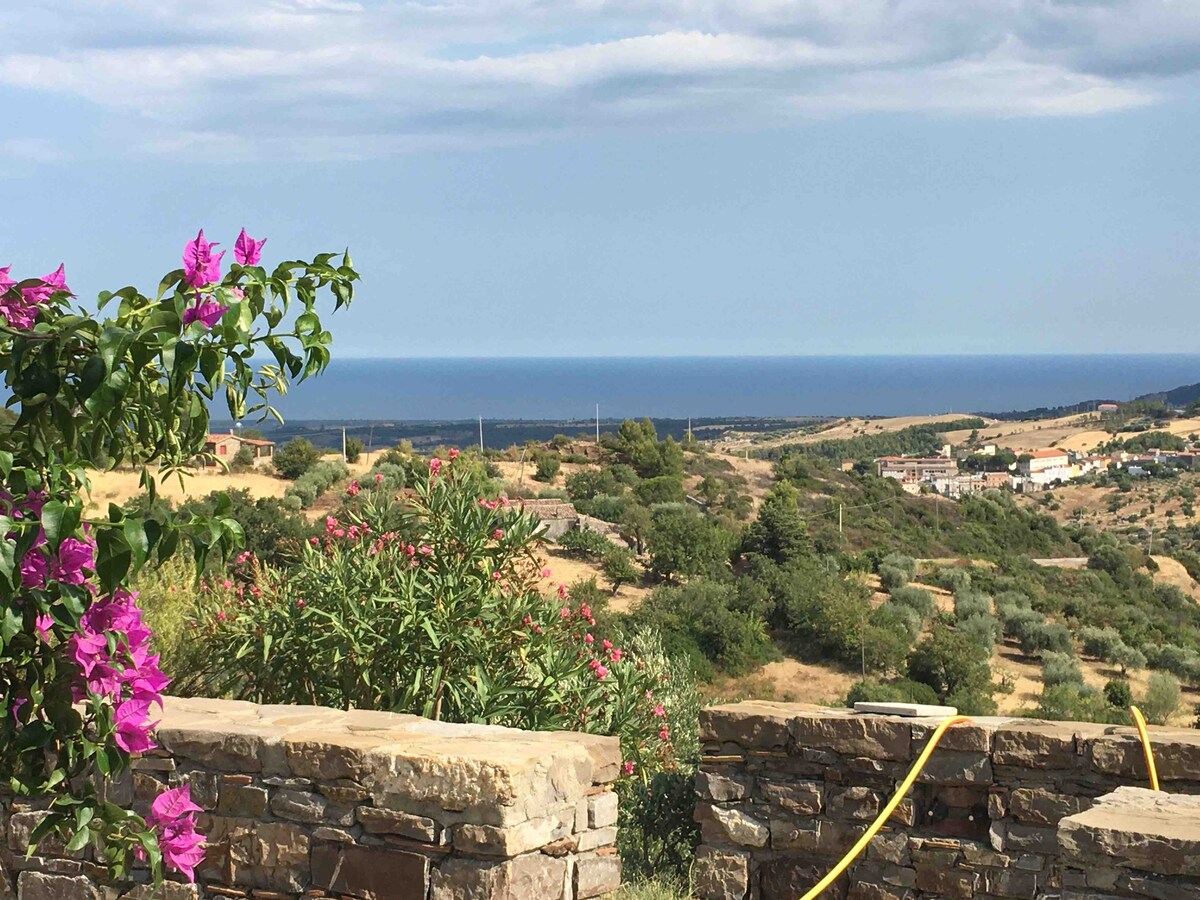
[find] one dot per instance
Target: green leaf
(52, 521)
(91, 376)
(139, 543)
(11, 625)
(78, 840)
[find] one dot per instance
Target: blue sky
(632, 177)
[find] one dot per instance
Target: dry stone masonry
(1006, 808)
(314, 802)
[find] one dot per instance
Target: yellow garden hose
(861, 844)
(1140, 722)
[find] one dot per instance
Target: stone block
(344, 790)
(246, 801)
(386, 821)
(168, 890)
(534, 876)
(1037, 806)
(953, 767)
(803, 798)
(728, 825)
(513, 840)
(1136, 829)
(602, 810)
(1031, 838)
(40, 886)
(786, 878)
(299, 806)
(596, 875)
(1035, 745)
(721, 874)
(868, 888)
(857, 803)
(976, 736)
(788, 834)
(226, 746)
(204, 788)
(723, 787)
(754, 725)
(867, 736)
(1013, 883)
(370, 872)
(889, 847)
(271, 855)
(594, 840)
(951, 884)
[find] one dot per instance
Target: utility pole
(343, 443)
(839, 518)
(893, 512)
(689, 429)
(370, 441)
(862, 644)
(597, 424)
(481, 434)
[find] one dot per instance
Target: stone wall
(1006, 808)
(324, 803)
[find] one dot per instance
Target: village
(1032, 471)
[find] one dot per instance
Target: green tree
(1118, 693)
(619, 568)
(354, 449)
(295, 458)
(1162, 698)
(957, 668)
(778, 532)
(683, 543)
(635, 525)
(243, 460)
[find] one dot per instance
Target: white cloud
(313, 78)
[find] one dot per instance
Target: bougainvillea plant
(126, 384)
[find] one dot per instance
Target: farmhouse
(916, 469)
(226, 446)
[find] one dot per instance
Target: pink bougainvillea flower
(42, 625)
(173, 818)
(200, 266)
(6, 280)
(34, 569)
(51, 284)
(206, 311)
(133, 726)
(246, 250)
(74, 556)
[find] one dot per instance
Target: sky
(632, 177)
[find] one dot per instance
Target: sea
(715, 387)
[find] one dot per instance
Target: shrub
(662, 489)
(1118, 694)
(295, 458)
(952, 579)
(243, 460)
(1075, 703)
(917, 599)
(1162, 698)
(982, 629)
(583, 543)
(1099, 642)
(1060, 668)
(354, 449)
(605, 507)
(1046, 636)
(1179, 661)
(892, 578)
(1017, 621)
(272, 531)
(316, 481)
(619, 568)
(905, 564)
(548, 465)
(395, 476)
(1126, 657)
(972, 603)
(897, 615)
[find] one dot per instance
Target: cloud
(336, 78)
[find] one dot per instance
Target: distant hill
(1177, 397)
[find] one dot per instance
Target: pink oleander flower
(659, 712)
(628, 767)
(453, 454)
(564, 613)
(246, 250)
(74, 556)
(600, 671)
(587, 639)
(378, 478)
(616, 654)
(585, 611)
(664, 733)
(562, 592)
(221, 617)
(425, 550)
(496, 576)
(353, 489)
(330, 524)
(300, 604)
(173, 819)
(546, 573)
(606, 644)
(42, 625)
(206, 311)
(435, 466)
(498, 534)
(200, 267)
